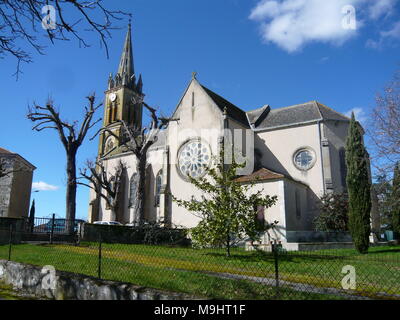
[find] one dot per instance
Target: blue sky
(251, 52)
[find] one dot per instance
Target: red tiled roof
(261, 175)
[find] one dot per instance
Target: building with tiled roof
(294, 152)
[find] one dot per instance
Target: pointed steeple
(139, 86)
(126, 68)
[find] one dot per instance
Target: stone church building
(296, 152)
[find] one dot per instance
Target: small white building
(296, 153)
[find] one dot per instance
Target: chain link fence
(163, 261)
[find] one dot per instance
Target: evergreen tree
(395, 201)
(227, 208)
(383, 192)
(359, 187)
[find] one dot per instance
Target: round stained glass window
(304, 159)
(193, 158)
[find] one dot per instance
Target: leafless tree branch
(21, 23)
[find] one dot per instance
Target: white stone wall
(279, 146)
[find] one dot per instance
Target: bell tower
(122, 101)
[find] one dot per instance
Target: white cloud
(43, 186)
(385, 36)
(359, 113)
(381, 8)
(394, 32)
(323, 60)
(292, 24)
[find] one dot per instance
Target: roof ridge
(329, 108)
(263, 107)
(319, 110)
(222, 98)
(241, 115)
(292, 106)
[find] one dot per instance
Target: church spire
(126, 68)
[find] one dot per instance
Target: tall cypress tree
(359, 187)
(395, 199)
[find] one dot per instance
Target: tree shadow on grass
(251, 257)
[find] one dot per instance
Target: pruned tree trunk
(71, 138)
(99, 180)
(71, 191)
(139, 213)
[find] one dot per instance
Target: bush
(334, 209)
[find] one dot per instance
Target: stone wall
(70, 286)
(317, 236)
(5, 194)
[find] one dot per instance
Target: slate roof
(233, 111)
(267, 118)
(301, 113)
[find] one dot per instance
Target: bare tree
(21, 21)
(106, 186)
(8, 166)
(49, 118)
(138, 141)
(4, 171)
(385, 126)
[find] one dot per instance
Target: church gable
(197, 109)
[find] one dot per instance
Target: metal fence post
(10, 242)
(99, 262)
(276, 261)
(52, 228)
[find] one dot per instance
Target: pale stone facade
(15, 187)
(296, 153)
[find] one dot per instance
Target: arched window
(132, 189)
(158, 188)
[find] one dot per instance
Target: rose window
(193, 158)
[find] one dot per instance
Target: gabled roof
(9, 154)
(297, 114)
(256, 116)
(265, 118)
(233, 111)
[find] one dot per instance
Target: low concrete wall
(317, 236)
(70, 286)
(17, 225)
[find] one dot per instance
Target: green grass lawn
(199, 272)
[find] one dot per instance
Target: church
(297, 153)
